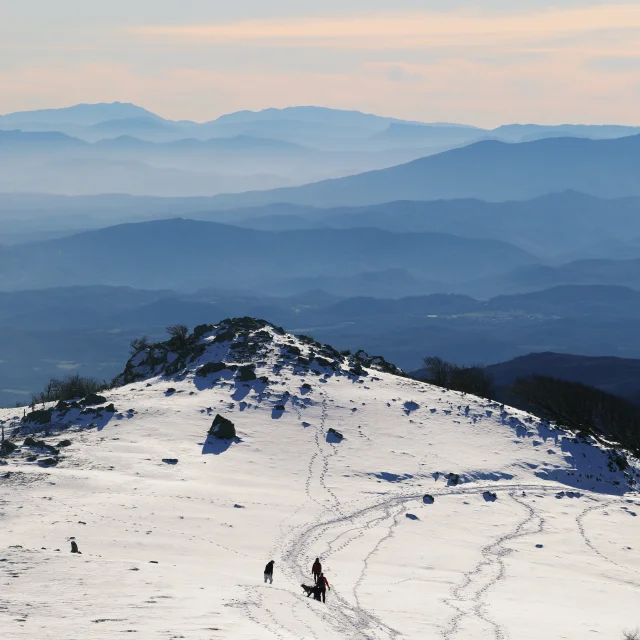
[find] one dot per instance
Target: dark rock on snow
(48, 462)
(39, 416)
(222, 428)
(7, 447)
(93, 398)
(209, 368)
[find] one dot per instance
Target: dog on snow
(307, 589)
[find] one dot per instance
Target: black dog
(307, 589)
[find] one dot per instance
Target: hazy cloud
(616, 63)
(405, 30)
(458, 60)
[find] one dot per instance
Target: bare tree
(439, 372)
(139, 344)
(631, 635)
(581, 408)
(473, 379)
(178, 334)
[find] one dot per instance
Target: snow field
(464, 569)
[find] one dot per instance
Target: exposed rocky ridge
(256, 358)
(239, 345)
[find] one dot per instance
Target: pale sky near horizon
(483, 63)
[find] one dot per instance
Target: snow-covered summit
(435, 514)
(248, 343)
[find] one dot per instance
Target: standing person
(268, 571)
(316, 570)
(324, 585)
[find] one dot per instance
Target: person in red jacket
(316, 570)
(324, 585)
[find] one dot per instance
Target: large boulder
(7, 447)
(39, 416)
(201, 330)
(39, 444)
(209, 368)
(247, 373)
(222, 428)
(93, 398)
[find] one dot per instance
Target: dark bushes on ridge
(178, 335)
(580, 407)
(472, 379)
(73, 386)
(139, 344)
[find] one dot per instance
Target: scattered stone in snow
(238, 506)
(170, 460)
(410, 406)
(7, 447)
(453, 478)
(411, 516)
(490, 496)
(538, 546)
(93, 398)
(427, 498)
(39, 416)
(222, 428)
(247, 374)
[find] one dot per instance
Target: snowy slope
(177, 549)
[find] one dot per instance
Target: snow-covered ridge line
(244, 341)
(436, 514)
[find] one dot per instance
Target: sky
(483, 63)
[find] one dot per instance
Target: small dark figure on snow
(316, 570)
(268, 572)
(323, 585)
(74, 547)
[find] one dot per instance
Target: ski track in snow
(488, 572)
(361, 623)
(361, 523)
(587, 540)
